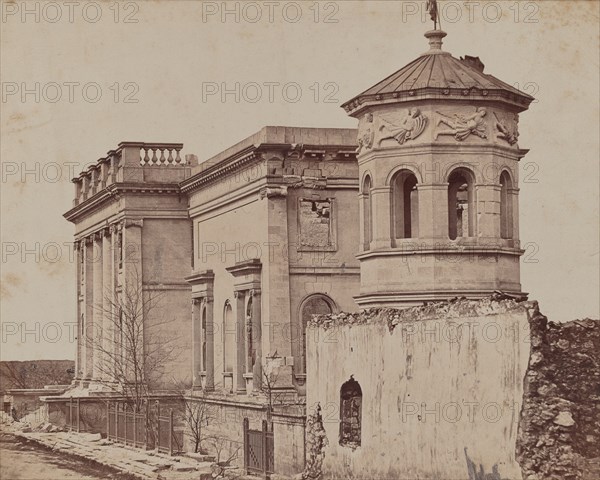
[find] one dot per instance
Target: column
(132, 279)
(240, 336)
(210, 345)
(381, 217)
(97, 331)
(88, 317)
(80, 307)
(107, 303)
(513, 195)
(487, 219)
(433, 210)
(115, 254)
(196, 343)
(256, 340)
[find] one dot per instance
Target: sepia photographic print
(300, 240)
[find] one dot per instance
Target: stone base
(416, 299)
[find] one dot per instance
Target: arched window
(203, 339)
(460, 204)
(350, 413)
(405, 219)
(506, 211)
(367, 213)
(249, 345)
(313, 305)
(229, 331)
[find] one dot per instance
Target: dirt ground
(21, 460)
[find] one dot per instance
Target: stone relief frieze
(462, 126)
(372, 131)
(507, 128)
(410, 127)
(366, 133)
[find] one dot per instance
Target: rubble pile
(559, 429)
(316, 441)
(455, 308)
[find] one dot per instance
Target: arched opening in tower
(405, 206)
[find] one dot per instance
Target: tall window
(367, 213)
(314, 305)
(350, 413)
(460, 204)
(506, 211)
(405, 220)
(203, 339)
(229, 332)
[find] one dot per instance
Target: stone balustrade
(124, 165)
(148, 154)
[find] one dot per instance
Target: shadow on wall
(475, 474)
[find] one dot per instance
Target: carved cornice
(113, 192)
(220, 169)
(133, 222)
(272, 192)
(248, 267)
(198, 278)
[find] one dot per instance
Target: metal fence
(151, 428)
(125, 425)
(259, 449)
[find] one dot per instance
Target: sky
(78, 78)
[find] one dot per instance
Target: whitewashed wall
(429, 392)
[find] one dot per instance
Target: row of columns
(248, 334)
(433, 213)
(100, 262)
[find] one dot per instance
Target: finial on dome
(435, 39)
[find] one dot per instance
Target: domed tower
(438, 169)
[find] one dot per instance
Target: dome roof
(437, 74)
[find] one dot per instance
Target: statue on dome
(432, 8)
(461, 126)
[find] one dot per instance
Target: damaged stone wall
(442, 388)
(559, 431)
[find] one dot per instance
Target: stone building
(274, 242)
(387, 257)
(258, 239)
(429, 391)
(132, 238)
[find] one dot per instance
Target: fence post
(117, 421)
(71, 414)
(265, 446)
(78, 414)
(171, 431)
(108, 420)
(157, 446)
(246, 427)
(146, 425)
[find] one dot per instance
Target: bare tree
(197, 414)
(270, 375)
(135, 345)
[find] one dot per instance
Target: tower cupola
(438, 157)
